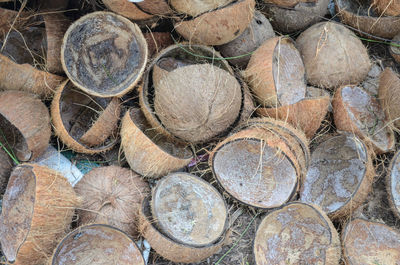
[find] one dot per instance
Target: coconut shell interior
(393, 184)
(97, 244)
(367, 242)
(296, 234)
(189, 210)
(17, 212)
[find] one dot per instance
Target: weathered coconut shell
(189, 210)
(219, 26)
(387, 7)
(333, 55)
(358, 112)
(107, 62)
(360, 16)
(11, 17)
(111, 195)
(297, 233)
(97, 244)
(340, 176)
(197, 7)
(37, 210)
(393, 184)
(155, 7)
(128, 9)
(84, 123)
(5, 169)
(276, 73)
(297, 18)
(147, 152)
(156, 41)
(366, 242)
(166, 247)
(259, 31)
(395, 50)
(389, 95)
(25, 123)
(288, 3)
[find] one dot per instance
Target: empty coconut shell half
(218, 26)
(85, 123)
(107, 62)
(276, 73)
(358, 112)
(340, 175)
(389, 94)
(394, 48)
(111, 195)
(37, 210)
(297, 233)
(168, 248)
(24, 125)
(97, 244)
(366, 242)
(196, 7)
(393, 184)
(147, 152)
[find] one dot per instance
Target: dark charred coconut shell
(393, 184)
(197, 7)
(104, 54)
(389, 94)
(5, 169)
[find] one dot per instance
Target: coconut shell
(393, 184)
(288, 3)
(10, 17)
(219, 26)
(389, 93)
(104, 63)
(111, 195)
(97, 244)
(166, 247)
(155, 7)
(156, 41)
(6, 166)
(197, 7)
(395, 48)
(387, 7)
(327, 65)
(38, 207)
(356, 111)
(340, 176)
(306, 115)
(366, 242)
(147, 152)
(276, 73)
(297, 233)
(127, 9)
(84, 123)
(25, 123)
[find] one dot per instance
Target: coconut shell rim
(393, 162)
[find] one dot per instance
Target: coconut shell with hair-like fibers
(6, 166)
(197, 7)
(155, 7)
(156, 41)
(393, 184)
(394, 48)
(10, 17)
(127, 9)
(389, 95)
(288, 3)
(387, 7)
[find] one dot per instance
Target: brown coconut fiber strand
(389, 95)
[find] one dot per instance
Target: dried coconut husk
(38, 207)
(393, 184)
(156, 41)
(97, 244)
(189, 210)
(360, 15)
(366, 242)
(129, 10)
(111, 195)
(106, 63)
(166, 247)
(394, 48)
(10, 17)
(197, 7)
(306, 114)
(218, 26)
(340, 176)
(24, 124)
(288, 3)
(6, 166)
(276, 73)
(155, 7)
(85, 123)
(333, 55)
(297, 233)
(387, 7)
(148, 153)
(389, 95)
(358, 112)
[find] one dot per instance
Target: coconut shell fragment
(387, 7)
(389, 94)
(366, 242)
(128, 10)
(297, 233)
(394, 48)
(393, 184)
(5, 169)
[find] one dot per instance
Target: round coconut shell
(387, 7)
(197, 7)
(366, 242)
(156, 41)
(288, 3)
(356, 111)
(155, 7)
(306, 115)
(297, 18)
(389, 93)
(84, 123)
(107, 62)
(24, 123)
(394, 48)
(276, 73)
(360, 16)
(393, 184)
(147, 152)
(340, 176)
(111, 195)
(297, 233)
(259, 31)
(198, 102)
(128, 9)
(6, 166)
(265, 175)
(218, 26)
(166, 247)
(38, 207)
(333, 55)
(189, 210)
(97, 244)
